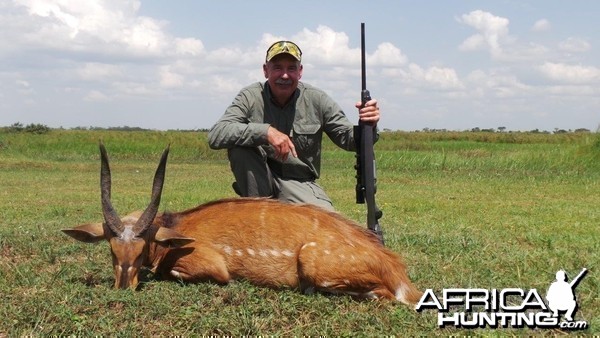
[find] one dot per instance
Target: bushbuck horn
(110, 215)
(159, 178)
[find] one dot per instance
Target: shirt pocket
(307, 139)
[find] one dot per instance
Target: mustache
(283, 82)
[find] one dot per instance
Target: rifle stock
(366, 180)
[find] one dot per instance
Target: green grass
(486, 210)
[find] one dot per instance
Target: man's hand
(369, 113)
(281, 143)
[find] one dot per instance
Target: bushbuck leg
(201, 264)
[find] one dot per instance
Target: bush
(16, 128)
(37, 128)
(33, 128)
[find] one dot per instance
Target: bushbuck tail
(263, 241)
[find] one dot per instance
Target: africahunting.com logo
(511, 307)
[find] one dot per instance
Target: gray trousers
(254, 178)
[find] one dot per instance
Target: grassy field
(466, 210)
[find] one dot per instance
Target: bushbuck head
(130, 236)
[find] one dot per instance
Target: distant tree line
(33, 128)
(503, 130)
(38, 128)
(128, 128)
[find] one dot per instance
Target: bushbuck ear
(171, 238)
(88, 233)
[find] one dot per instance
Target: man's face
(283, 73)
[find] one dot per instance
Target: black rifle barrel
(363, 62)
(366, 180)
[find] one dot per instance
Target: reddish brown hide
(266, 242)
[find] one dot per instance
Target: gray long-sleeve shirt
(304, 118)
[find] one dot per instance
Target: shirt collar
(292, 99)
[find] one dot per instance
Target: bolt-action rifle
(364, 135)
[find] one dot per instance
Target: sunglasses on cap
(286, 47)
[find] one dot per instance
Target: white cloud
(574, 91)
(96, 95)
(542, 25)
(434, 77)
(226, 56)
(189, 46)
(576, 74)
(574, 45)
(327, 46)
(170, 79)
(106, 27)
(24, 87)
(93, 71)
(492, 31)
(387, 55)
(130, 89)
(22, 83)
(144, 36)
(220, 84)
(493, 36)
(473, 42)
(498, 84)
(508, 86)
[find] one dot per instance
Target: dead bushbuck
(266, 242)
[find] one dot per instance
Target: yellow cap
(281, 47)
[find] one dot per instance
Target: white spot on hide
(308, 244)
(228, 250)
(326, 284)
(263, 213)
(401, 293)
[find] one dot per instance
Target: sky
(456, 65)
